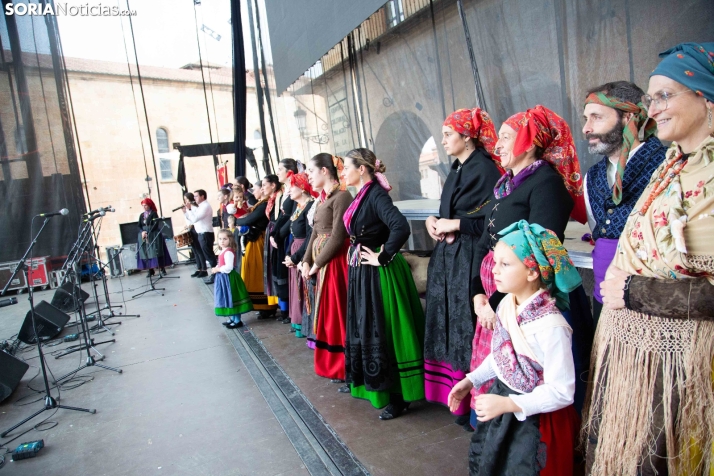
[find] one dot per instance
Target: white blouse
(553, 350)
(229, 258)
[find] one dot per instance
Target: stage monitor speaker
(49, 322)
(64, 298)
(12, 370)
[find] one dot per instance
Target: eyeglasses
(657, 99)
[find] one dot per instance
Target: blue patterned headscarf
(542, 251)
(690, 64)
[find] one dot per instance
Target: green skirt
(230, 295)
(385, 334)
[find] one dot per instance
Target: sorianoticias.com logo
(63, 9)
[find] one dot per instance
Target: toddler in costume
(527, 424)
(230, 294)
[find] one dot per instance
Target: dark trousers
(206, 240)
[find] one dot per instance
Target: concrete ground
(195, 398)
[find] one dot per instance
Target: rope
(480, 99)
(203, 80)
(133, 95)
(146, 114)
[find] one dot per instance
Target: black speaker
(64, 298)
(11, 371)
(49, 322)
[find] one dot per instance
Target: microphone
(64, 211)
(178, 208)
(108, 208)
(8, 302)
(95, 216)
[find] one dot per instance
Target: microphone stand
(71, 269)
(152, 282)
(50, 402)
(101, 325)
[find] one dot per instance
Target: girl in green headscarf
(527, 423)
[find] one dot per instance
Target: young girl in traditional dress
(527, 424)
(230, 295)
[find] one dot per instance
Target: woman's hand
(288, 262)
(305, 270)
(458, 393)
(144, 235)
(490, 406)
(613, 288)
(369, 257)
(431, 228)
(272, 242)
(444, 226)
(314, 270)
(482, 308)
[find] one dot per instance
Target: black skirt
(450, 319)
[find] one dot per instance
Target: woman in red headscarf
(152, 251)
(470, 137)
(302, 194)
(542, 185)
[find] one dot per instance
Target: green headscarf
(542, 251)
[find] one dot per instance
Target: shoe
(163, 271)
(202, 274)
(337, 380)
(468, 428)
(286, 320)
(393, 410)
(235, 325)
(151, 272)
(292, 330)
(265, 314)
(210, 280)
(462, 420)
(195, 275)
(227, 323)
(344, 389)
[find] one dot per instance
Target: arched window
(162, 142)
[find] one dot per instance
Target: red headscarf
(150, 202)
(300, 180)
(543, 128)
(477, 124)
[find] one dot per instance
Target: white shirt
(229, 259)
(552, 348)
(201, 217)
(611, 172)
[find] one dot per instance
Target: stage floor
(196, 398)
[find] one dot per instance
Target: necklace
(672, 169)
(298, 210)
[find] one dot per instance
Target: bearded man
(615, 120)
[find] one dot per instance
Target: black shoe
(286, 320)
(292, 330)
(235, 325)
(468, 428)
(163, 271)
(344, 389)
(337, 380)
(393, 410)
(151, 272)
(265, 314)
(202, 274)
(195, 275)
(227, 323)
(210, 280)
(462, 420)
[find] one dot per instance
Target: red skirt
(331, 315)
(482, 337)
(559, 431)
